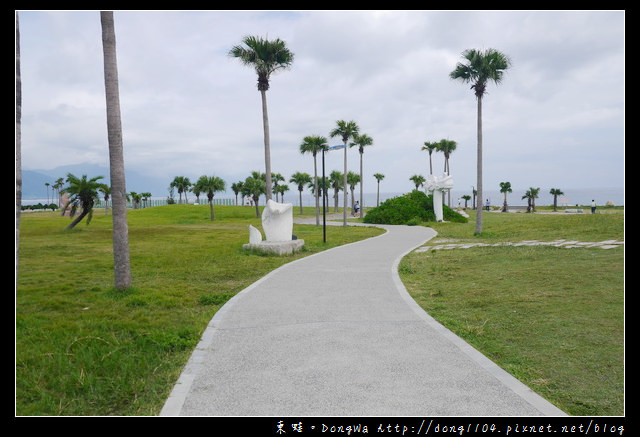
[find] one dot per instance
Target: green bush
(409, 209)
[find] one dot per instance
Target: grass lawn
(552, 317)
(83, 348)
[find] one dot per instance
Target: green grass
(552, 317)
(83, 348)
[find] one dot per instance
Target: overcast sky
(188, 109)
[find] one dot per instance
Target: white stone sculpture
(437, 186)
(277, 221)
(255, 237)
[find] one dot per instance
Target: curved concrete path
(337, 334)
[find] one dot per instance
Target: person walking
(593, 206)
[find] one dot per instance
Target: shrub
(409, 209)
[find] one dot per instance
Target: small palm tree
(345, 130)
(353, 179)
(555, 192)
(146, 196)
(275, 179)
(280, 189)
(446, 147)
(466, 198)
(236, 187)
(83, 193)
(531, 195)
(361, 141)
(266, 57)
(505, 187)
(379, 177)
(430, 147)
(182, 184)
(417, 180)
(254, 187)
(300, 179)
(314, 144)
(211, 185)
(336, 180)
(106, 192)
(135, 198)
(480, 68)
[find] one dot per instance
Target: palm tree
(345, 130)
(196, 189)
(531, 195)
(280, 189)
(361, 140)
(446, 147)
(57, 186)
(336, 180)
(135, 198)
(430, 147)
(47, 184)
(300, 179)
(106, 192)
(275, 178)
(182, 184)
(236, 187)
(83, 193)
(353, 179)
(417, 180)
(481, 67)
(122, 267)
(555, 192)
(18, 144)
(266, 57)
(466, 198)
(253, 187)
(314, 144)
(210, 185)
(379, 177)
(505, 187)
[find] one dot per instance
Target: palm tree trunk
(122, 268)
(361, 182)
(82, 215)
(18, 143)
(267, 147)
(315, 189)
(211, 208)
(378, 195)
(344, 213)
(479, 168)
(300, 191)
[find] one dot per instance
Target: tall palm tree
(18, 143)
(555, 192)
(83, 193)
(353, 179)
(266, 57)
(210, 185)
(505, 187)
(379, 177)
(106, 192)
(345, 130)
(361, 140)
(300, 179)
(122, 267)
(430, 147)
(417, 180)
(280, 189)
(182, 184)
(480, 68)
(314, 144)
(275, 179)
(57, 186)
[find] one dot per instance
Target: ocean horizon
(571, 197)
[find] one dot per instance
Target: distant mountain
(33, 181)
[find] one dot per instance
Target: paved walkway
(337, 334)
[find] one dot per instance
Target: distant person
(487, 204)
(356, 208)
(593, 206)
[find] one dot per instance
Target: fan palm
(555, 192)
(314, 144)
(345, 130)
(417, 180)
(430, 147)
(253, 187)
(361, 141)
(300, 179)
(379, 177)
(266, 57)
(83, 193)
(210, 185)
(353, 179)
(505, 187)
(480, 68)
(182, 184)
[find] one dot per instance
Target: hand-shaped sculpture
(277, 221)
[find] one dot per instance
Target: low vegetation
(409, 209)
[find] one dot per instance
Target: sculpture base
(276, 247)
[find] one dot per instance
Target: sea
(571, 197)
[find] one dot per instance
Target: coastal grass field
(85, 349)
(552, 317)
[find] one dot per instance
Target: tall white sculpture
(437, 186)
